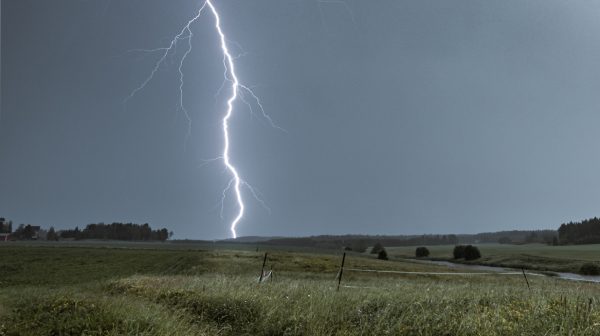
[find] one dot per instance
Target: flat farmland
(58, 289)
(567, 258)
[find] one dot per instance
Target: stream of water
(561, 275)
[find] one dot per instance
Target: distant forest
(360, 243)
(585, 232)
(117, 231)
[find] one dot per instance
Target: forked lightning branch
(236, 183)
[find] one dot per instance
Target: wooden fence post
(525, 276)
(341, 271)
(262, 269)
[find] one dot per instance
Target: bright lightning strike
(235, 84)
(237, 90)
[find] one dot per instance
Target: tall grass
(216, 293)
(398, 306)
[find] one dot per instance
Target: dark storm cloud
(405, 117)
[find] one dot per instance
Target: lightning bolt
(238, 90)
(235, 84)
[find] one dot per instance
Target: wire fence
(267, 275)
(467, 274)
(440, 273)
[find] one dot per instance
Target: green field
(161, 289)
(530, 256)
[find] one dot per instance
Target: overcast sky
(402, 117)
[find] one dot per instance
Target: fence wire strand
(439, 273)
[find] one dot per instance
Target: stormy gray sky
(402, 117)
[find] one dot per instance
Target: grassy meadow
(568, 258)
(62, 289)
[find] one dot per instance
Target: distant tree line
(430, 240)
(511, 237)
(114, 231)
(26, 232)
(585, 232)
(118, 231)
(360, 243)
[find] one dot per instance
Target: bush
(382, 254)
(422, 252)
(472, 252)
(468, 252)
(589, 269)
(459, 251)
(376, 248)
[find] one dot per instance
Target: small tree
(421, 252)
(382, 254)
(376, 248)
(472, 252)
(51, 234)
(459, 251)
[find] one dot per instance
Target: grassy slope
(51, 290)
(532, 256)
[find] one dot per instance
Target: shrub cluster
(422, 252)
(468, 252)
(472, 252)
(459, 252)
(589, 269)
